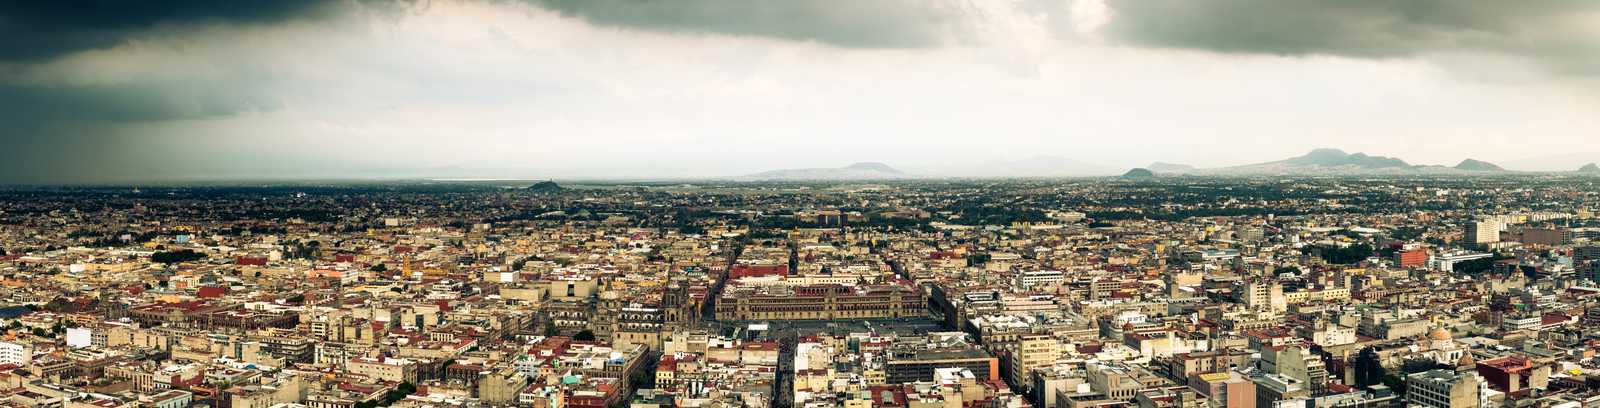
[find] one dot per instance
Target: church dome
(1439, 334)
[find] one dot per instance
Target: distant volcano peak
(1478, 165)
(873, 166)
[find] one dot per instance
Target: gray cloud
(609, 88)
(129, 102)
(862, 24)
(39, 30)
(1554, 33)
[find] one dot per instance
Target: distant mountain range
(858, 171)
(1318, 162)
(1338, 162)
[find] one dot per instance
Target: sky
(193, 90)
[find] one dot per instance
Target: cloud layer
(869, 24)
(190, 90)
(38, 30)
(1562, 35)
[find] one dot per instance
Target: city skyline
(197, 91)
(799, 203)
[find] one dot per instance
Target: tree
(186, 255)
(1479, 266)
(1346, 255)
(584, 335)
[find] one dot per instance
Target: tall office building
(1482, 232)
(1586, 262)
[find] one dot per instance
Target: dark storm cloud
(70, 133)
(128, 102)
(1548, 31)
(39, 30)
(856, 23)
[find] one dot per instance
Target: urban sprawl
(1279, 292)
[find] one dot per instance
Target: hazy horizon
(684, 89)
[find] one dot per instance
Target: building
(1227, 389)
(15, 353)
(171, 399)
(921, 365)
(1033, 351)
(1271, 388)
(1411, 258)
(820, 302)
(1115, 382)
(1514, 374)
(1298, 363)
(387, 369)
(1033, 279)
(1482, 232)
(1443, 389)
(1265, 296)
(1542, 236)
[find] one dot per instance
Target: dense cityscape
(799, 204)
(1105, 292)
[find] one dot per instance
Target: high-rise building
(1586, 262)
(1482, 232)
(1033, 351)
(1265, 295)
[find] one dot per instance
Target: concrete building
(15, 353)
(1482, 232)
(1271, 388)
(1443, 389)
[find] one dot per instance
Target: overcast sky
(207, 90)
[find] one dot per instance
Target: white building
(1031, 279)
(15, 353)
(80, 337)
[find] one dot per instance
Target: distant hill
(857, 171)
(544, 187)
(1170, 168)
(1326, 162)
(1477, 165)
(1338, 158)
(1589, 168)
(1139, 174)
